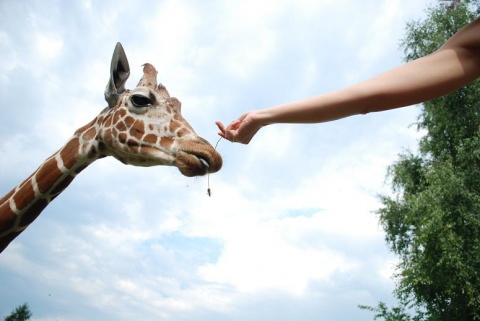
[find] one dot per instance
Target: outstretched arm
(452, 66)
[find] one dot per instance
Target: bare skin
(455, 64)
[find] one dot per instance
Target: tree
(432, 221)
(21, 313)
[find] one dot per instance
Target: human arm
(452, 66)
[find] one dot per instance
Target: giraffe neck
(22, 205)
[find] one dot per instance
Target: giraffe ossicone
(141, 127)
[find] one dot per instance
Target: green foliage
(383, 312)
(21, 313)
(432, 221)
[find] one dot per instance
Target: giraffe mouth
(198, 163)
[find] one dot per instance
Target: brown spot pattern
(122, 138)
(137, 130)
(174, 126)
(129, 120)
(33, 212)
(121, 126)
(24, 195)
(7, 219)
(6, 197)
(166, 142)
(150, 138)
(62, 185)
(47, 175)
(83, 128)
(89, 134)
(69, 153)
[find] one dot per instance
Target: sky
(290, 230)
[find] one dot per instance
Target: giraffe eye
(140, 100)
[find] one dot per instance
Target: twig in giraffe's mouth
(209, 191)
(204, 162)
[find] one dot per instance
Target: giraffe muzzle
(198, 161)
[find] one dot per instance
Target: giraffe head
(144, 126)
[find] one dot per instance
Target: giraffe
(140, 127)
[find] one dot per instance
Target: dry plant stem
(209, 191)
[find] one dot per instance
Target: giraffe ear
(119, 72)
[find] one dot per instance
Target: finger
(221, 126)
(234, 125)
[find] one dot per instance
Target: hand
(241, 130)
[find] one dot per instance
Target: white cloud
(259, 258)
(9, 57)
(48, 46)
(173, 30)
